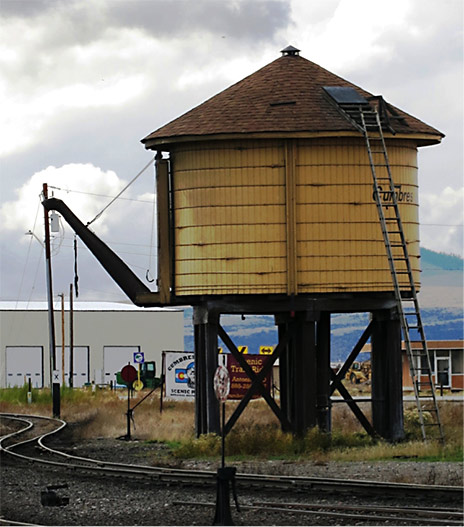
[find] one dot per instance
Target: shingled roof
(284, 97)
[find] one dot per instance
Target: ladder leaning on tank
(400, 265)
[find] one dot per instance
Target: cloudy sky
(82, 82)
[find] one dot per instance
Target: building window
(432, 363)
(457, 361)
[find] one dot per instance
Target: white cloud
(41, 84)
(25, 118)
(442, 220)
(91, 184)
(341, 34)
(108, 56)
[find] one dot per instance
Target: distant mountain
(431, 260)
(441, 281)
(440, 297)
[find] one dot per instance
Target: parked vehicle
(147, 375)
(359, 372)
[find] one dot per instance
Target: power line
(112, 242)
(99, 195)
(122, 191)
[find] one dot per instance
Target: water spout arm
(112, 263)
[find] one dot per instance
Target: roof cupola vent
(290, 51)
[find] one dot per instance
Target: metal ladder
(400, 266)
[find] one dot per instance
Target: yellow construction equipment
(359, 372)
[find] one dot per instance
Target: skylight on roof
(344, 95)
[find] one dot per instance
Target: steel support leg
(298, 377)
(387, 380)
(323, 373)
(206, 361)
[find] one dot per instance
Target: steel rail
(27, 419)
(4, 521)
(369, 512)
(336, 511)
(17, 432)
(178, 476)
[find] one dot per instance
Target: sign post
(221, 389)
(225, 474)
(128, 374)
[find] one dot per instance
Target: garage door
(24, 363)
(81, 373)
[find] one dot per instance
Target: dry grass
(384, 450)
(175, 423)
(257, 433)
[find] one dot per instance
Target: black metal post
(163, 376)
(56, 399)
(129, 411)
(223, 435)
(225, 475)
(29, 391)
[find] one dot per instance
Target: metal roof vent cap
(290, 51)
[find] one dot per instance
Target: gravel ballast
(116, 501)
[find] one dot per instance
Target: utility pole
(71, 337)
(62, 340)
(55, 386)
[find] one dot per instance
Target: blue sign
(139, 357)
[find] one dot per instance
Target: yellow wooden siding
(340, 244)
(230, 217)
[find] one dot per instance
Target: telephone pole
(54, 377)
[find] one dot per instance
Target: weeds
(268, 441)
(257, 434)
(18, 395)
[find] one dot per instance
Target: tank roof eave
(166, 143)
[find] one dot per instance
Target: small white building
(105, 338)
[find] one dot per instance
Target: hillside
(432, 260)
(441, 299)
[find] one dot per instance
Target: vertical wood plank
(164, 238)
(290, 211)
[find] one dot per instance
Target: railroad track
(374, 514)
(33, 431)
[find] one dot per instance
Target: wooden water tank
(272, 189)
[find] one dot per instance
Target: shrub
(208, 445)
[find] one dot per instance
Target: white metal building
(105, 338)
